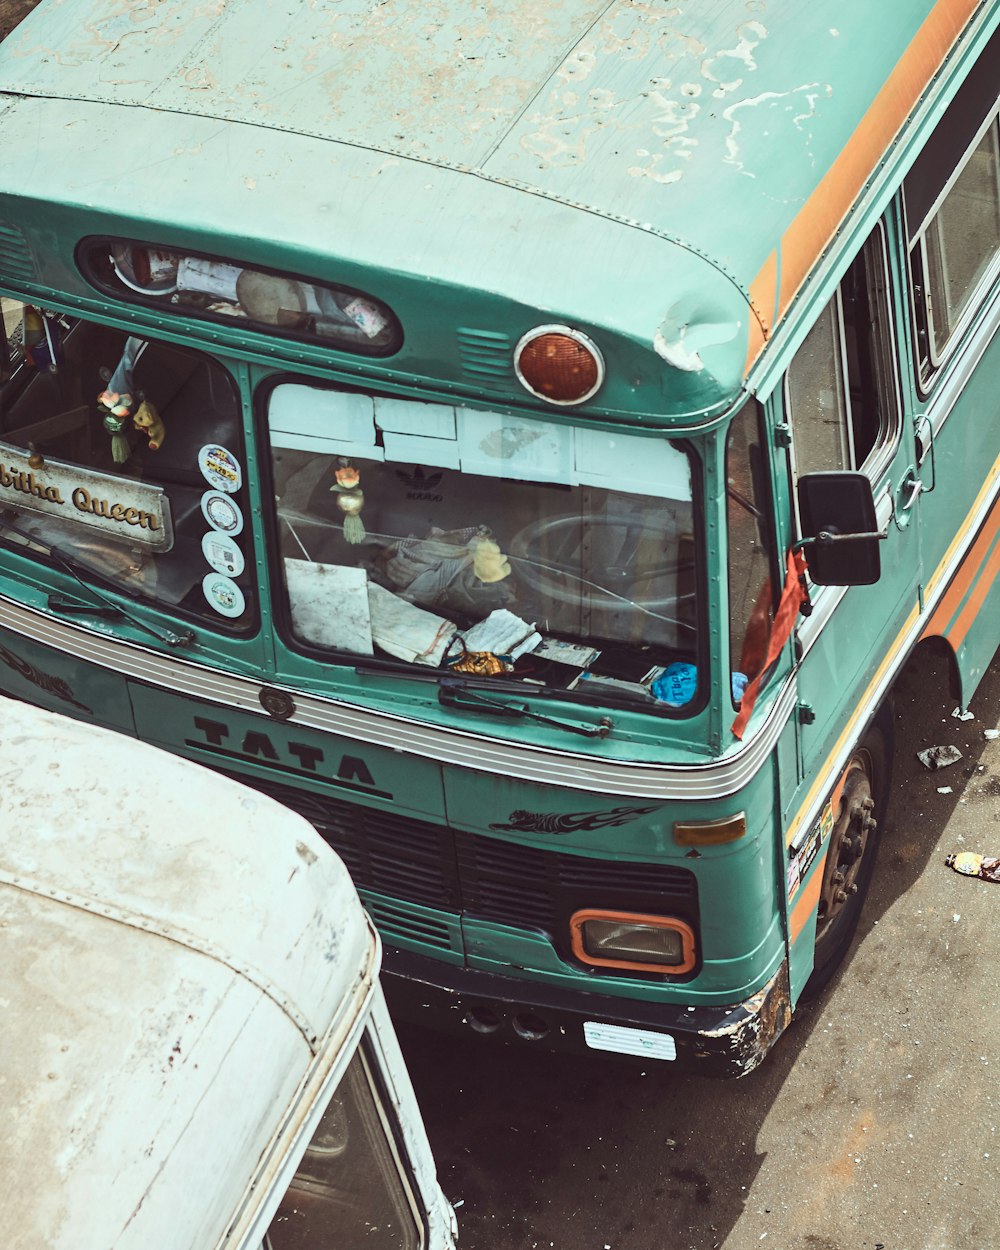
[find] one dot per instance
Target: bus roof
(738, 133)
(180, 955)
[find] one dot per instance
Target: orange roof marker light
(559, 365)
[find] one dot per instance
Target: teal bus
(527, 443)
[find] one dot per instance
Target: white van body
(187, 977)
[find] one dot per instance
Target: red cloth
(793, 596)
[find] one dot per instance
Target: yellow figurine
(488, 562)
(149, 421)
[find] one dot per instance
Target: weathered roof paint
(738, 132)
(170, 941)
(804, 239)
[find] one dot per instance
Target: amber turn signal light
(710, 832)
(559, 365)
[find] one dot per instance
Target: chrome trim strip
(444, 745)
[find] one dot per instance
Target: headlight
(641, 943)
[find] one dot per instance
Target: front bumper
(714, 1041)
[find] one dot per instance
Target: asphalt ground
(871, 1126)
(11, 12)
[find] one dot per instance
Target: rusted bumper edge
(751, 1028)
(713, 1041)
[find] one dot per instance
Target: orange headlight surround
(689, 955)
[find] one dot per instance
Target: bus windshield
(122, 457)
(485, 543)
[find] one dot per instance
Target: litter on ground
(971, 865)
(939, 757)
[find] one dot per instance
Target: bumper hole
(482, 1019)
(530, 1027)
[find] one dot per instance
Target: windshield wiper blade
(183, 639)
(68, 607)
(456, 695)
(107, 609)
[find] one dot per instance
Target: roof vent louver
(487, 356)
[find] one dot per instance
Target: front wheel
(854, 843)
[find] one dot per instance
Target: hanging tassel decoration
(120, 448)
(350, 501)
(117, 402)
(117, 408)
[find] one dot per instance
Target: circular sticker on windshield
(220, 468)
(221, 512)
(223, 595)
(222, 553)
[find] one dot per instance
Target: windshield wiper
(456, 695)
(60, 603)
(107, 609)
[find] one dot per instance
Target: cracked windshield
(485, 544)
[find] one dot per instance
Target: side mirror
(840, 539)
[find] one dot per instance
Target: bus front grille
(396, 857)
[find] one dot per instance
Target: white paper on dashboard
(406, 631)
(501, 633)
(329, 605)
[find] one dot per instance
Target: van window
(349, 1189)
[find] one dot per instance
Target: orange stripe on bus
(763, 306)
(989, 487)
(971, 610)
(808, 902)
(969, 570)
(817, 221)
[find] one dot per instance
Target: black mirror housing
(840, 542)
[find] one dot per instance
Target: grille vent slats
(404, 924)
(486, 355)
(16, 260)
(471, 875)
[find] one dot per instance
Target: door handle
(907, 493)
(912, 485)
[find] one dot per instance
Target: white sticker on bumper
(629, 1041)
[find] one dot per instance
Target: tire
(853, 850)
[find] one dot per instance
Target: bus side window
(951, 199)
(841, 385)
(956, 251)
(751, 597)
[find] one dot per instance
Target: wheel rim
(849, 842)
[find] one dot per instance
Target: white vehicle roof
(180, 957)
